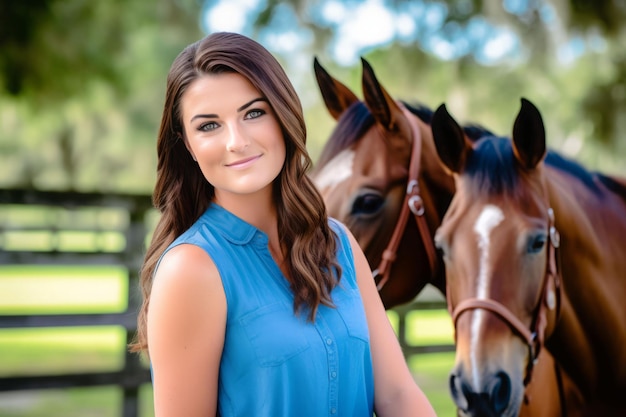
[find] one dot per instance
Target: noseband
(535, 335)
(414, 204)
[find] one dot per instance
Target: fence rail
(124, 219)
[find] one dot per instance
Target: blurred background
(81, 93)
(82, 82)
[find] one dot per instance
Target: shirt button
(329, 341)
(333, 374)
(333, 410)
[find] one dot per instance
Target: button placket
(332, 361)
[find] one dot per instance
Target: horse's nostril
(501, 392)
(457, 391)
(492, 400)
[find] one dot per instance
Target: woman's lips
(244, 163)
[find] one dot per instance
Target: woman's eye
(209, 126)
(253, 114)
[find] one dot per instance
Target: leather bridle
(534, 336)
(414, 204)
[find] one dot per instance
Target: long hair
(182, 194)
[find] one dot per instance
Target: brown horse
(534, 252)
(376, 150)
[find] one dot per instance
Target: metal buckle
(416, 204)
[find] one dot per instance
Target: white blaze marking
(336, 170)
(489, 218)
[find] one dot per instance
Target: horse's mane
(589, 178)
(422, 111)
(491, 166)
(613, 184)
(476, 131)
(357, 119)
(573, 168)
(493, 169)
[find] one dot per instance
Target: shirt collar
(233, 228)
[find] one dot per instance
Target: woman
(255, 303)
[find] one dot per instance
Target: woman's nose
(237, 139)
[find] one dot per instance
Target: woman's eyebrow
(203, 116)
(251, 102)
(212, 115)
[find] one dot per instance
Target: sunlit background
(83, 82)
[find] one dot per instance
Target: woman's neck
(257, 209)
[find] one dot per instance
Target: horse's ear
(452, 145)
(336, 95)
(529, 136)
(381, 104)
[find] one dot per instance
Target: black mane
(493, 169)
(491, 166)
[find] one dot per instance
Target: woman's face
(233, 133)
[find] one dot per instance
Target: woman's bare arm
(186, 324)
(396, 392)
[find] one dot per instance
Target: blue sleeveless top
(275, 363)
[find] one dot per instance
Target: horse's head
(498, 242)
(363, 171)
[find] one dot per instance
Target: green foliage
(55, 49)
(19, 20)
(84, 114)
(582, 104)
(82, 82)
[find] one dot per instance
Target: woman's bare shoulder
(189, 269)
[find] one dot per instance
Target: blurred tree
(79, 80)
(77, 42)
(18, 24)
(64, 40)
(551, 34)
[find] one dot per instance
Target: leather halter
(412, 202)
(535, 335)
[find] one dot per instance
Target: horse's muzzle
(493, 399)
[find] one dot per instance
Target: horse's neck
(591, 335)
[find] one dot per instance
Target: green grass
(74, 402)
(61, 350)
(49, 290)
(431, 373)
(427, 327)
(62, 289)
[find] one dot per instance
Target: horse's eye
(536, 243)
(367, 204)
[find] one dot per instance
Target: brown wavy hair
(182, 194)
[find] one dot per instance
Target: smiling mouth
(243, 163)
